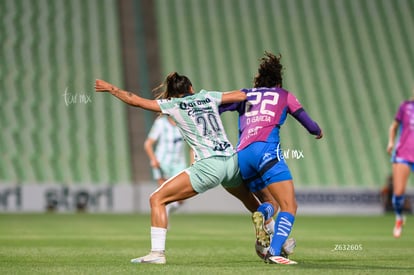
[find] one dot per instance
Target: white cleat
(399, 223)
(155, 257)
(261, 251)
(279, 260)
(287, 249)
(289, 246)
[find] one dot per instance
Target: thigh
(176, 188)
(400, 174)
(207, 173)
(245, 196)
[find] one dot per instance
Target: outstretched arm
(297, 111)
(233, 96)
(127, 97)
(310, 125)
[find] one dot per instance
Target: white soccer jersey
(170, 143)
(200, 124)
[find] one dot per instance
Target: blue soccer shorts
(401, 160)
(262, 164)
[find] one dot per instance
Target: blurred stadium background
(63, 147)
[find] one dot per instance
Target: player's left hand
(390, 147)
(320, 135)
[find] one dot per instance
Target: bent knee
(155, 199)
(290, 207)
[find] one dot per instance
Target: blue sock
(267, 210)
(398, 203)
(283, 226)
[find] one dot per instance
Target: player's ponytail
(176, 86)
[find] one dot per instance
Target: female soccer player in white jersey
(402, 158)
(198, 118)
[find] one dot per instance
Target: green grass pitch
(198, 244)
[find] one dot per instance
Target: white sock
(158, 237)
(270, 226)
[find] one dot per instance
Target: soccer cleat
(261, 251)
(399, 223)
(278, 260)
(262, 236)
(155, 257)
(288, 247)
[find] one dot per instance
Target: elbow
(393, 128)
(147, 145)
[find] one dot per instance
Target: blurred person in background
(401, 149)
(169, 156)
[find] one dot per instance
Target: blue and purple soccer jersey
(264, 112)
(405, 145)
(260, 119)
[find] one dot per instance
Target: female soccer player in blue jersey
(198, 118)
(402, 158)
(261, 159)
